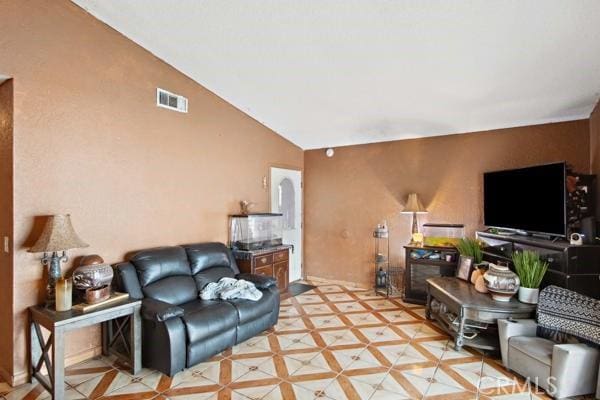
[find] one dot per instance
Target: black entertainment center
(576, 268)
(534, 208)
(537, 208)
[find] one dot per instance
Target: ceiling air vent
(171, 101)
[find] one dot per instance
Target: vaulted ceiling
(337, 72)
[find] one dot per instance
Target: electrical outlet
(6, 244)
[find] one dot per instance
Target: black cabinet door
(583, 260)
(417, 275)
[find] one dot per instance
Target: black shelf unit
(418, 270)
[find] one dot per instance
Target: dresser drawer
(280, 256)
(260, 261)
(266, 271)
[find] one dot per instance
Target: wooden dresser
(270, 262)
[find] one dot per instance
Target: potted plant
(470, 248)
(531, 269)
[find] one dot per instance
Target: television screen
(529, 199)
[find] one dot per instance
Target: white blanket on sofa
(229, 288)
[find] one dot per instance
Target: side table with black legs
(121, 327)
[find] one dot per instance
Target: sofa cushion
(536, 348)
(249, 310)
(173, 290)
(155, 264)
(206, 318)
(204, 349)
(212, 275)
(531, 357)
(203, 256)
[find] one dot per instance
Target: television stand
(575, 268)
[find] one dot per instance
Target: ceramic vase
(528, 295)
(501, 282)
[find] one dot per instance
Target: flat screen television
(529, 199)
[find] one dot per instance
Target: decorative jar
(92, 273)
(501, 281)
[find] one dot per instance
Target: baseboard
(82, 356)
(16, 379)
(335, 282)
(23, 377)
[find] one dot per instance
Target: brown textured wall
(6, 225)
(347, 195)
(595, 152)
(90, 141)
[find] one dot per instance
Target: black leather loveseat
(179, 329)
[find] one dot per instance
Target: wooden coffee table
(468, 316)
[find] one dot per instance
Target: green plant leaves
(530, 268)
(471, 248)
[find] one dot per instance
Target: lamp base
(54, 273)
(416, 238)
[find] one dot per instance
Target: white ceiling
(337, 72)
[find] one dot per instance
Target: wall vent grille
(171, 101)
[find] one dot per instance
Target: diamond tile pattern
(332, 342)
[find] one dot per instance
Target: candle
(64, 299)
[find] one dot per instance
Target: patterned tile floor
(330, 343)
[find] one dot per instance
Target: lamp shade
(413, 205)
(58, 235)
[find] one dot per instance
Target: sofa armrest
(126, 280)
(260, 281)
(574, 360)
(513, 327)
(159, 311)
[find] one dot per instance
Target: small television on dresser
(527, 200)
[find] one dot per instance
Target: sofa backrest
(175, 274)
(164, 274)
(210, 262)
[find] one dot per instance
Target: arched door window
(287, 203)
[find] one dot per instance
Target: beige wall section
(6, 226)
(360, 186)
(595, 152)
(89, 140)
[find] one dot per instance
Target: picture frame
(465, 268)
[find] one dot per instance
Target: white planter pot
(527, 295)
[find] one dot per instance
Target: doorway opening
(286, 198)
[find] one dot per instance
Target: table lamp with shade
(57, 237)
(413, 206)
